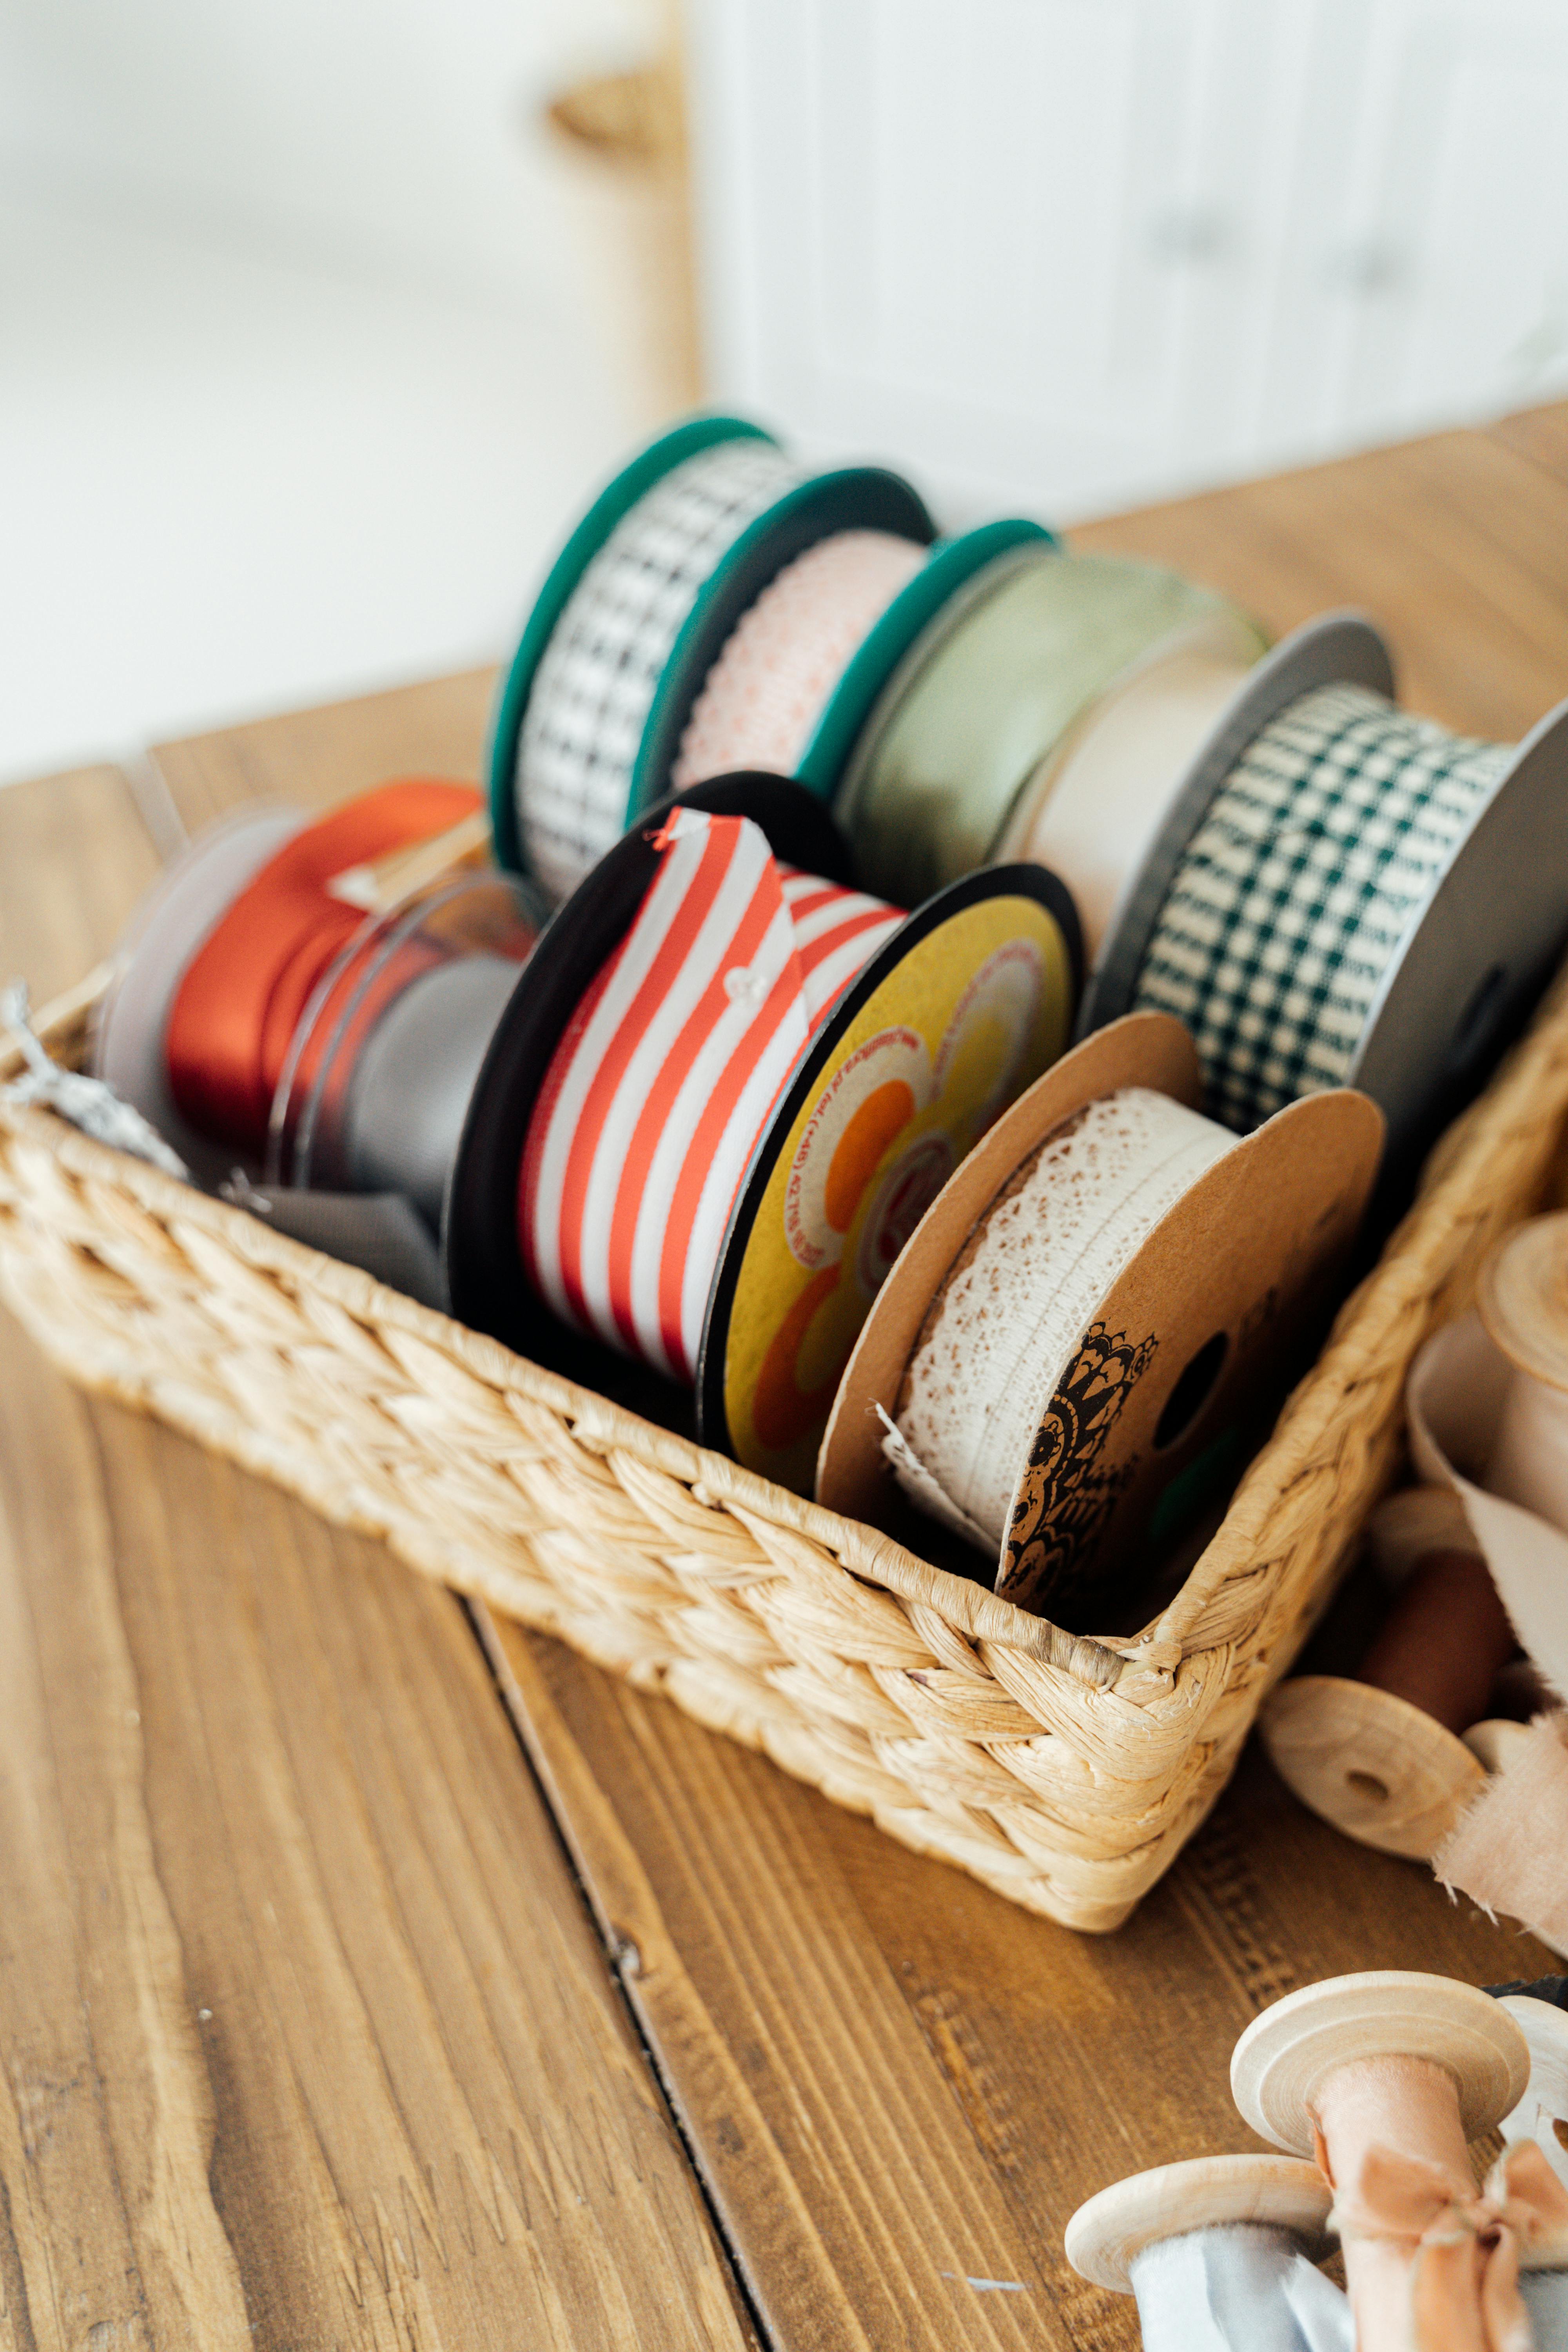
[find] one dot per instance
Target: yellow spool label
(969, 1016)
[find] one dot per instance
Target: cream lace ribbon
(1007, 1322)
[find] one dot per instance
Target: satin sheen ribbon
(662, 1085)
(1464, 2243)
(1236, 2287)
(238, 1003)
(774, 677)
(1316, 860)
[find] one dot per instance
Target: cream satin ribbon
(1464, 2244)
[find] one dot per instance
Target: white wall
(394, 135)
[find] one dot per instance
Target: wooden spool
(1284, 2058)
(1542, 2114)
(1107, 2234)
(1379, 1769)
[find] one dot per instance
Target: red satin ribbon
(242, 994)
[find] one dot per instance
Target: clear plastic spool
(378, 1073)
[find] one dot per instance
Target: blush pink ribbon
(1464, 2242)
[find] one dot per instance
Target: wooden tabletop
(375, 1974)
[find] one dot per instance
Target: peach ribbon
(1464, 2242)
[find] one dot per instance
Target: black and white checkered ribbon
(597, 678)
(1314, 862)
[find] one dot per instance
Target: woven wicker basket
(1065, 1772)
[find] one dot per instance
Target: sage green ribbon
(985, 695)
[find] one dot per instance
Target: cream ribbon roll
(965, 732)
(770, 685)
(1093, 808)
(662, 1085)
(1011, 1316)
(1315, 862)
(596, 682)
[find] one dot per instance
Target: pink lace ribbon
(1464, 2242)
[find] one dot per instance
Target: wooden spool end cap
(1376, 1767)
(1108, 2233)
(1282, 2061)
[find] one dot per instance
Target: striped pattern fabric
(1314, 862)
(664, 1081)
(597, 679)
(764, 695)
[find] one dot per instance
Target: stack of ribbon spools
(815, 825)
(1373, 2087)
(1422, 1751)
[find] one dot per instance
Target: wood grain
(307, 2037)
(74, 859)
(312, 756)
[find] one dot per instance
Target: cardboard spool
(1181, 1346)
(1542, 2114)
(1285, 2056)
(1107, 2234)
(792, 1285)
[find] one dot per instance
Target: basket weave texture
(1064, 1771)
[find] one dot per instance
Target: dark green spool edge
(952, 562)
(851, 497)
(649, 466)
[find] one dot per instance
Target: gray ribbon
(1238, 2286)
(1545, 2295)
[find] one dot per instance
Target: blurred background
(319, 320)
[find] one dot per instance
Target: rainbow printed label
(976, 1008)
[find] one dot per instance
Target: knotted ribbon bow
(1464, 2242)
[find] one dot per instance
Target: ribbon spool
(1386, 2069)
(983, 743)
(1219, 2254)
(631, 618)
(795, 685)
(260, 1013)
(1342, 894)
(1542, 2114)
(1392, 1756)
(1088, 1311)
(376, 1086)
(701, 1142)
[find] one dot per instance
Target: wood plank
(74, 859)
(1457, 545)
(1540, 434)
(895, 2080)
(307, 2038)
(433, 728)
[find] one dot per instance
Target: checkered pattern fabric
(597, 680)
(1314, 862)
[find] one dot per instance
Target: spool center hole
(1560, 2131)
(1191, 1394)
(1367, 1784)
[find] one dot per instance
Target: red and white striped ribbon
(664, 1081)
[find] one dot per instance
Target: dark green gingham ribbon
(1314, 862)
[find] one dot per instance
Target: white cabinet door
(1071, 253)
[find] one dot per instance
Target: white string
(1007, 1322)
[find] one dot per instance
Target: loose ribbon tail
(1464, 2243)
